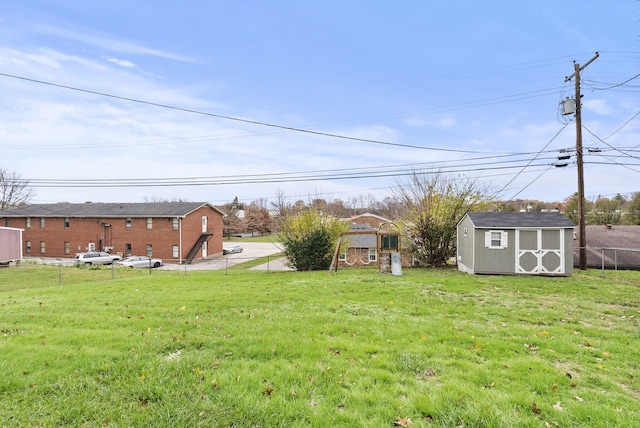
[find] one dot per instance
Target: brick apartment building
(173, 231)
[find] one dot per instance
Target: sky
(207, 100)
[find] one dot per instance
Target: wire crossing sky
(216, 100)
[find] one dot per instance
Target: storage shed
(529, 243)
(10, 244)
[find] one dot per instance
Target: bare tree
(14, 190)
(434, 204)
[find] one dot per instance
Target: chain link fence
(611, 258)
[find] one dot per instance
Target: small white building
(530, 243)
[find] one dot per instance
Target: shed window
(497, 239)
(389, 242)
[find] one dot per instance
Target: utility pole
(582, 265)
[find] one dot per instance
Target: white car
(95, 258)
(232, 249)
(140, 262)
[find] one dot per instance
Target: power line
(237, 119)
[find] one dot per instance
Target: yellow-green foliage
(310, 238)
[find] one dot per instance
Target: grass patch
(256, 262)
(271, 237)
(355, 348)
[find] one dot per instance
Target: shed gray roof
(511, 220)
(106, 210)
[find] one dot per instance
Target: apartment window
(67, 248)
(66, 222)
(27, 245)
(7, 222)
(149, 223)
(175, 251)
(42, 247)
(149, 251)
(174, 223)
(343, 254)
(41, 222)
(127, 249)
(27, 222)
(127, 223)
(373, 255)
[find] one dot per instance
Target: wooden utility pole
(582, 265)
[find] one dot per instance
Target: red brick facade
(168, 238)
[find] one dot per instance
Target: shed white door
(540, 251)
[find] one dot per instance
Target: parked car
(140, 262)
(232, 249)
(95, 258)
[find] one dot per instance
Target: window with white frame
(175, 251)
(497, 239)
(343, 254)
(373, 254)
(174, 223)
(149, 223)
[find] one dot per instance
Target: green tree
(633, 210)
(309, 239)
(435, 205)
(606, 211)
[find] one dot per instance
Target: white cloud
(121, 62)
(108, 42)
(600, 106)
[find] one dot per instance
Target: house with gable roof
(533, 243)
(370, 241)
(173, 231)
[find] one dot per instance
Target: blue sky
(209, 100)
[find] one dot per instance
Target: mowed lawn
(430, 348)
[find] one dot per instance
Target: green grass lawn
(431, 348)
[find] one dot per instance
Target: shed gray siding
(494, 260)
(465, 245)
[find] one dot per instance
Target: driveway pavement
(250, 251)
